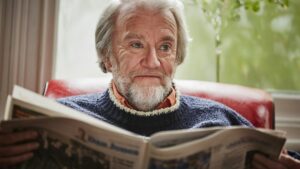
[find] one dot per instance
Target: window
(261, 49)
(76, 55)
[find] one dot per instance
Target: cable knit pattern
(191, 112)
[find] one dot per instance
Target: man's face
(144, 56)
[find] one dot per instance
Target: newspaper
(73, 140)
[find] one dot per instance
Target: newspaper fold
(73, 140)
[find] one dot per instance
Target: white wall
(287, 109)
(76, 54)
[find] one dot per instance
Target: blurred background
(259, 43)
(254, 43)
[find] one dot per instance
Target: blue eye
(137, 45)
(164, 47)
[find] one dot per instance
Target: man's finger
(18, 149)
(289, 161)
(8, 161)
(268, 163)
(15, 137)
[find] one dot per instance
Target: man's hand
(16, 147)
(285, 162)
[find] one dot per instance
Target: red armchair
(254, 104)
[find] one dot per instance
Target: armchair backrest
(254, 104)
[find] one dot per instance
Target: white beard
(144, 98)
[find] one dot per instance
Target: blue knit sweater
(188, 112)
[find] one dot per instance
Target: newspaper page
(171, 138)
(25, 103)
(230, 148)
(71, 144)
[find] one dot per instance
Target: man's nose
(151, 59)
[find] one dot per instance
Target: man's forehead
(132, 23)
(127, 14)
(134, 35)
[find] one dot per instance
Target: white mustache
(157, 74)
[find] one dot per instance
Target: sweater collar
(162, 109)
(167, 102)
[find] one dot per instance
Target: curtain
(27, 37)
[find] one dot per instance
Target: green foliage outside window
(249, 42)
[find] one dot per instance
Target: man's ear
(108, 65)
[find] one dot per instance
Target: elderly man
(141, 42)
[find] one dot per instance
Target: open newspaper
(73, 140)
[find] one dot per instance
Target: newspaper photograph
(69, 144)
(232, 148)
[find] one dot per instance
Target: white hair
(106, 25)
